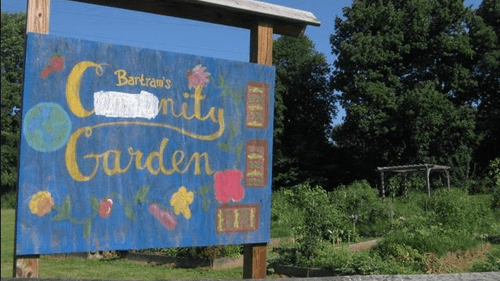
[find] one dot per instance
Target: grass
(114, 268)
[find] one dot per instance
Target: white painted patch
(118, 104)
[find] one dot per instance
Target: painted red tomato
(105, 207)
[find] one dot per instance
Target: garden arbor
(422, 168)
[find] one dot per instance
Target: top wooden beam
(237, 13)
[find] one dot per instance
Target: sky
(125, 27)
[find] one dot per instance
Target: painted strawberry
(56, 64)
(46, 71)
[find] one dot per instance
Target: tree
(485, 36)
(403, 69)
(12, 46)
(304, 106)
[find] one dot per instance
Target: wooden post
(428, 181)
(448, 178)
(261, 43)
(383, 187)
(254, 261)
(261, 52)
(405, 183)
(37, 21)
(38, 16)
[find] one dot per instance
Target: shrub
(213, 252)
(492, 264)
(8, 200)
(368, 214)
(455, 209)
(495, 177)
(323, 220)
(403, 254)
(343, 261)
(285, 215)
(435, 239)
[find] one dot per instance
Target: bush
(403, 254)
(368, 214)
(285, 215)
(8, 200)
(323, 220)
(492, 264)
(455, 209)
(214, 252)
(495, 177)
(435, 239)
(344, 261)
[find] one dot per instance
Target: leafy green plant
(368, 214)
(495, 176)
(9, 200)
(285, 215)
(490, 265)
(344, 261)
(456, 209)
(427, 239)
(214, 252)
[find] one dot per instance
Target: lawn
(115, 268)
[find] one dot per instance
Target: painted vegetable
(56, 64)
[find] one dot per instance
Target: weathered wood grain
(38, 16)
(237, 13)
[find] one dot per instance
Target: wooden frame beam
(236, 13)
(37, 21)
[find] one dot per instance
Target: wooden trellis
(422, 168)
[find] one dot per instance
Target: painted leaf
(87, 228)
(142, 193)
(232, 128)
(238, 97)
(66, 207)
(222, 82)
(205, 204)
(129, 213)
(59, 217)
(223, 146)
(94, 203)
(238, 149)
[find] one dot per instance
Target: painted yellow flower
(41, 203)
(181, 201)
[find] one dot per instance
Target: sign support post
(261, 52)
(37, 22)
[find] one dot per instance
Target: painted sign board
(127, 148)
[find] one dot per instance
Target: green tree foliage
(12, 45)
(403, 69)
(485, 35)
(304, 106)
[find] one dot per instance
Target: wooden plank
(27, 267)
(254, 261)
(261, 52)
(261, 43)
(236, 13)
(38, 16)
(206, 154)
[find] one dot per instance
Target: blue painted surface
(94, 182)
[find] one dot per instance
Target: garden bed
(184, 262)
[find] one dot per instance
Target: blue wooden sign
(127, 148)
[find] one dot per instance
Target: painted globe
(46, 127)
